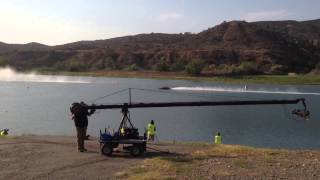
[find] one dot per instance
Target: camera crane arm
(200, 103)
(127, 124)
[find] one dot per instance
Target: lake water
(40, 105)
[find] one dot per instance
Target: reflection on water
(43, 108)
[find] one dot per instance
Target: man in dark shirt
(80, 115)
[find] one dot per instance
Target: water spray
(8, 74)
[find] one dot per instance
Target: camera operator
(80, 114)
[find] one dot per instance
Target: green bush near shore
(265, 79)
(276, 79)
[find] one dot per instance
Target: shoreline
(258, 79)
(55, 157)
(169, 142)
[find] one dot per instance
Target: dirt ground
(37, 157)
(52, 157)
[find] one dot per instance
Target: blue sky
(61, 21)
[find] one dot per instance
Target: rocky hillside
(236, 47)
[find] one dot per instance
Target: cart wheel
(107, 149)
(136, 150)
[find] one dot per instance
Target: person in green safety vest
(217, 138)
(4, 132)
(151, 131)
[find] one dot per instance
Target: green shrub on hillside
(60, 66)
(194, 67)
(112, 64)
(3, 61)
(132, 67)
(162, 65)
(178, 65)
(99, 65)
(278, 69)
(246, 68)
(74, 65)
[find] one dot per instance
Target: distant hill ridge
(235, 47)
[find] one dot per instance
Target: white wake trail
(9, 75)
(241, 90)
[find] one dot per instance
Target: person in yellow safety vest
(217, 138)
(151, 131)
(4, 132)
(122, 131)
